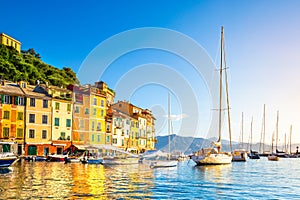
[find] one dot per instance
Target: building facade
(12, 109)
(38, 122)
(9, 41)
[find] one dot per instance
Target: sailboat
(158, 159)
(252, 154)
(240, 155)
(273, 156)
(214, 156)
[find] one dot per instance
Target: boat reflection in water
(75, 181)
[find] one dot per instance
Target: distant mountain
(188, 145)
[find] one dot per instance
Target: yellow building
(98, 108)
(12, 108)
(38, 122)
(61, 130)
(9, 41)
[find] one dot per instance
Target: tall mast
(264, 133)
(169, 124)
(220, 108)
(277, 129)
(291, 139)
(242, 130)
(251, 134)
(227, 97)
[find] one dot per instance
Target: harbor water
(254, 179)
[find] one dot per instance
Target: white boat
(157, 158)
(117, 160)
(216, 156)
(7, 159)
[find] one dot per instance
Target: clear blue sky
(262, 46)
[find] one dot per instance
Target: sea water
(254, 179)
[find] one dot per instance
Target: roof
(11, 89)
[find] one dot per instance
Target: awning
(59, 144)
(79, 147)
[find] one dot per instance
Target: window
(44, 119)
(114, 141)
(5, 132)
(107, 139)
(69, 107)
(98, 138)
(45, 103)
(81, 123)
(68, 123)
(56, 121)
(77, 109)
(31, 118)
(99, 126)
(102, 113)
(19, 133)
(6, 115)
(20, 116)
(7, 41)
(95, 112)
(86, 111)
(93, 137)
(93, 125)
(56, 106)
(21, 101)
(102, 103)
(31, 133)
(32, 102)
(81, 136)
(120, 105)
(7, 99)
(63, 135)
(44, 134)
(95, 101)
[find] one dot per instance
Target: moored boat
(57, 158)
(239, 155)
(7, 159)
(273, 157)
(216, 156)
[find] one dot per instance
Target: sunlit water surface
(254, 179)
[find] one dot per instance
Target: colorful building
(61, 130)
(38, 121)
(9, 41)
(98, 108)
(12, 108)
(142, 126)
(81, 114)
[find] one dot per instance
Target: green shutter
(2, 97)
(16, 100)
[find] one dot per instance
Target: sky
(261, 39)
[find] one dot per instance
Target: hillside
(188, 145)
(28, 66)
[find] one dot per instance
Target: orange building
(12, 104)
(81, 114)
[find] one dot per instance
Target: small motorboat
(7, 159)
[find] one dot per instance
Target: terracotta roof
(11, 89)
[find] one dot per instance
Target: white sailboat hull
(163, 163)
(212, 159)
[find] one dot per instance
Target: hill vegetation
(28, 66)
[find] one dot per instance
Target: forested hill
(28, 66)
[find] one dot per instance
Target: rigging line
(227, 96)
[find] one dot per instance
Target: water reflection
(76, 181)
